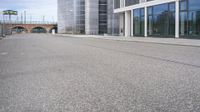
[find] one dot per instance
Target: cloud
(35, 9)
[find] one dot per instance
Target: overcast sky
(36, 9)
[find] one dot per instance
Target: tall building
(159, 18)
(112, 19)
(87, 17)
(71, 16)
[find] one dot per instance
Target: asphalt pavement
(46, 73)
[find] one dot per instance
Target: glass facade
(69, 18)
(102, 16)
(92, 17)
(131, 2)
(138, 22)
(62, 16)
(161, 17)
(127, 3)
(116, 4)
(86, 17)
(189, 18)
(79, 17)
(161, 20)
(113, 19)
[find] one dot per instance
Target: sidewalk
(169, 41)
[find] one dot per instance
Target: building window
(161, 20)
(116, 4)
(102, 16)
(138, 22)
(189, 18)
(131, 2)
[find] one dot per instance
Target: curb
(82, 36)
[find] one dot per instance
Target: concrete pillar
(122, 3)
(132, 23)
(145, 21)
(128, 23)
(177, 20)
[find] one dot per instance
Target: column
(177, 20)
(127, 23)
(145, 21)
(132, 23)
(122, 2)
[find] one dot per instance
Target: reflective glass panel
(138, 22)
(161, 20)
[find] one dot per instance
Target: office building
(159, 18)
(90, 17)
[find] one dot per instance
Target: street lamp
(10, 13)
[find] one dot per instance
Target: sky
(36, 10)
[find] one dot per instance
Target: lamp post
(24, 17)
(10, 13)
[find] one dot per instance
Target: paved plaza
(46, 73)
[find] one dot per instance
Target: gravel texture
(45, 73)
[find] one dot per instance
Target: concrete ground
(45, 73)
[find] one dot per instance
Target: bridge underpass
(38, 30)
(19, 29)
(55, 29)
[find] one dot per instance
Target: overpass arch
(19, 29)
(38, 29)
(55, 28)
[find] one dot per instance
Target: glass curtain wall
(190, 18)
(80, 17)
(161, 20)
(112, 19)
(69, 16)
(138, 22)
(102, 16)
(131, 2)
(62, 16)
(116, 4)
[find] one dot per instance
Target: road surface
(45, 73)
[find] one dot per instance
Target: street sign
(9, 12)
